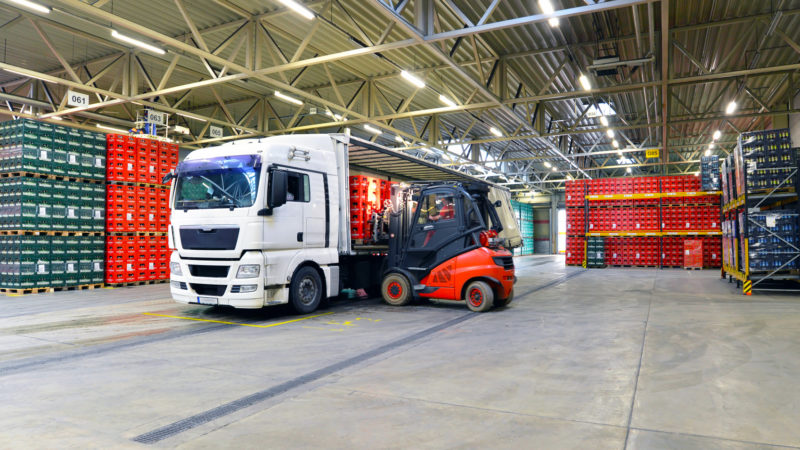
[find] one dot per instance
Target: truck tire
(480, 296)
(396, 290)
(305, 291)
(504, 302)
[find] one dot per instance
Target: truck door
(285, 227)
(436, 233)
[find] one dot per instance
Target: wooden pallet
(49, 233)
(50, 176)
(135, 183)
(137, 283)
(46, 290)
(692, 268)
(137, 233)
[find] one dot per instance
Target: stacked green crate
(25, 261)
(31, 202)
(595, 252)
(524, 213)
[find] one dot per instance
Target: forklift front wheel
(480, 296)
(396, 290)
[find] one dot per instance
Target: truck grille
(198, 238)
(209, 271)
(216, 290)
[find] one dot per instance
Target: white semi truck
(262, 222)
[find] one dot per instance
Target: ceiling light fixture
(495, 132)
(619, 153)
(399, 139)
(137, 43)
(554, 169)
(731, 108)
(710, 146)
(610, 133)
(547, 164)
(372, 129)
(717, 135)
(708, 152)
(106, 127)
(298, 8)
(330, 113)
(604, 121)
(447, 101)
(628, 170)
(32, 5)
(192, 116)
(285, 97)
(547, 8)
(584, 80)
(615, 143)
(412, 79)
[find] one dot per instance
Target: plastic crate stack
(644, 220)
(575, 197)
(52, 207)
(761, 229)
(709, 173)
(524, 213)
(367, 195)
(137, 205)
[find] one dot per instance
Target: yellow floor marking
(236, 323)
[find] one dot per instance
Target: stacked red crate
(137, 208)
(575, 250)
(367, 195)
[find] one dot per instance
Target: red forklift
(443, 244)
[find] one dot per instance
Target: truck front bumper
(223, 288)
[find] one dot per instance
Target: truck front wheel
(396, 290)
(305, 292)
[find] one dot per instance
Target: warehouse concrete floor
(612, 358)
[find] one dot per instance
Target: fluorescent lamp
(569, 177)
(628, 170)
(710, 146)
(106, 127)
(137, 43)
(615, 143)
(191, 116)
(24, 74)
(610, 133)
(731, 108)
(697, 174)
(329, 113)
(717, 135)
(547, 8)
(32, 5)
(298, 8)
(554, 169)
(495, 132)
(372, 129)
(547, 164)
(619, 153)
(447, 101)
(59, 118)
(286, 98)
(708, 152)
(584, 80)
(398, 139)
(604, 121)
(412, 79)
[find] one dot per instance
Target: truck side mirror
(168, 176)
(278, 186)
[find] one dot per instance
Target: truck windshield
(222, 182)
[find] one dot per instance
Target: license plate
(207, 300)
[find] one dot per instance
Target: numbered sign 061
(77, 99)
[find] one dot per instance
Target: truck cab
(232, 245)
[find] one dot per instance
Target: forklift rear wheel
(504, 302)
(305, 291)
(396, 290)
(479, 296)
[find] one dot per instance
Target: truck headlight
(248, 271)
(175, 268)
